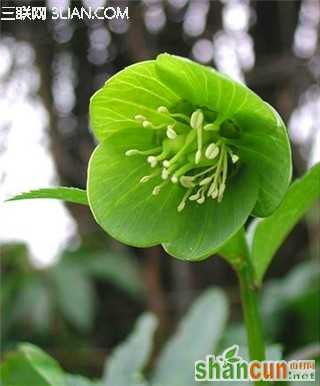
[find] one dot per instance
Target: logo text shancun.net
(231, 367)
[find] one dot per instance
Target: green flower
(185, 155)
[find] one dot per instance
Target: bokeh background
(65, 285)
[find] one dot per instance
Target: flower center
(191, 152)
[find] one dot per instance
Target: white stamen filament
(183, 201)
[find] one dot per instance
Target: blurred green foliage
(202, 330)
(62, 295)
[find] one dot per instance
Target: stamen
(211, 127)
(196, 122)
(188, 150)
(222, 188)
(214, 194)
(171, 134)
(156, 189)
(187, 181)
(146, 124)
(183, 201)
(205, 171)
(152, 161)
(181, 116)
(206, 181)
(164, 173)
(162, 109)
(197, 195)
(131, 152)
(145, 179)
(184, 169)
(202, 198)
(140, 118)
(212, 151)
(212, 189)
(234, 158)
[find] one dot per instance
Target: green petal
(265, 145)
(263, 141)
(125, 208)
(136, 90)
(207, 227)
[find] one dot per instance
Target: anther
(146, 124)
(196, 120)
(131, 152)
(174, 179)
(234, 158)
(166, 163)
(145, 179)
(211, 127)
(140, 118)
(171, 134)
(152, 161)
(206, 181)
(187, 181)
(212, 151)
(183, 201)
(201, 200)
(156, 189)
(197, 195)
(164, 174)
(162, 109)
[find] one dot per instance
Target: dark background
(271, 45)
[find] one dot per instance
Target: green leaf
(32, 305)
(268, 234)
(31, 366)
(263, 140)
(146, 94)
(231, 352)
(75, 295)
(74, 195)
(125, 366)
(196, 337)
(118, 268)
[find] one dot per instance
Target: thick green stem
(236, 252)
(251, 313)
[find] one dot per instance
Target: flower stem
(251, 313)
